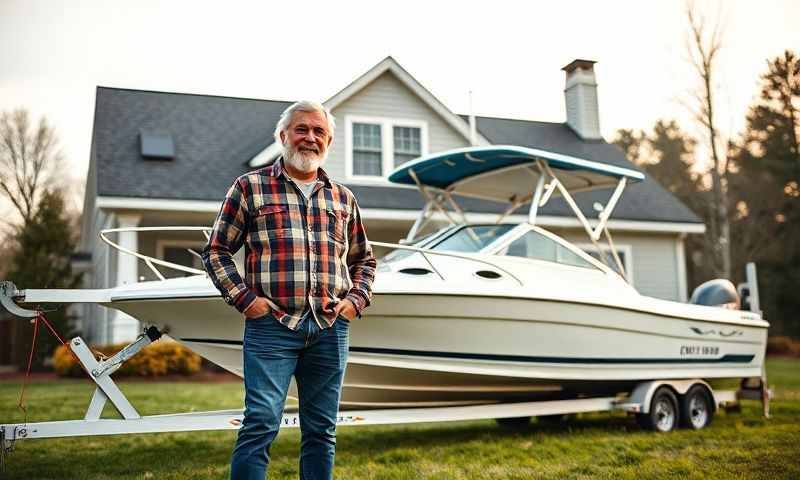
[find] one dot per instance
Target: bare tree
(704, 47)
(29, 158)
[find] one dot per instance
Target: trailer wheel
(697, 408)
(664, 414)
(513, 422)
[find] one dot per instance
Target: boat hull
(428, 350)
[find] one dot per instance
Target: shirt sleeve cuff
(358, 301)
(244, 300)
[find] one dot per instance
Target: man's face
(306, 141)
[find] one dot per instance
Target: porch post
(125, 328)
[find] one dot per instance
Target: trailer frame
(106, 390)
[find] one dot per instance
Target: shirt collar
(278, 169)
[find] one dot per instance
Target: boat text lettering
(699, 350)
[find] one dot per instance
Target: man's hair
(303, 106)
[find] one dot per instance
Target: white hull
(436, 349)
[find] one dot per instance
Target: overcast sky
(53, 54)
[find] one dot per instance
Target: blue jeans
(272, 354)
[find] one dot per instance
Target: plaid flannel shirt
(298, 251)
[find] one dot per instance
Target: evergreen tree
(673, 152)
(43, 247)
(632, 143)
(767, 192)
(667, 155)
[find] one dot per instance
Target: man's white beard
(306, 162)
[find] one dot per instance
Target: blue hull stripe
(516, 358)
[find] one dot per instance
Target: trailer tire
(513, 422)
(664, 414)
(697, 408)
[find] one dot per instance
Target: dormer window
(376, 145)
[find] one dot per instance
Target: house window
(367, 146)
(407, 144)
(375, 146)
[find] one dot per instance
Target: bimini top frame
(513, 175)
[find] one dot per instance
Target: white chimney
(580, 94)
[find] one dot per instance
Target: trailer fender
(642, 394)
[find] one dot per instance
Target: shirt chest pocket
(271, 218)
(337, 224)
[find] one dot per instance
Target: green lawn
(603, 445)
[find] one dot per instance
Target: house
(160, 159)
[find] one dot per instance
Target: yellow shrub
(160, 358)
(65, 364)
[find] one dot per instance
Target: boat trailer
(642, 401)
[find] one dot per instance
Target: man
(308, 273)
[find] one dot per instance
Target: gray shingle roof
(215, 137)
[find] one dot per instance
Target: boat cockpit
(516, 176)
(504, 239)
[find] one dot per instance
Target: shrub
(65, 364)
(159, 358)
(779, 345)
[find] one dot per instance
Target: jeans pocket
(258, 325)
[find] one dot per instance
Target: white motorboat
(481, 313)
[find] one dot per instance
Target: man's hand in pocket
(258, 308)
(346, 309)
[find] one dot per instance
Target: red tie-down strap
(39, 317)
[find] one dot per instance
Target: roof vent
(156, 145)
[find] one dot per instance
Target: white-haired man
(308, 273)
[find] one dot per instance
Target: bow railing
(151, 261)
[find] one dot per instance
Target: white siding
(388, 97)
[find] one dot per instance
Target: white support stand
(106, 388)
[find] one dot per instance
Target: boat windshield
(471, 238)
(463, 238)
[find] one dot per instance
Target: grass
(602, 445)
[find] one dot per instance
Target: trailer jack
(98, 370)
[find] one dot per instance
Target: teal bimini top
(505, 173)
